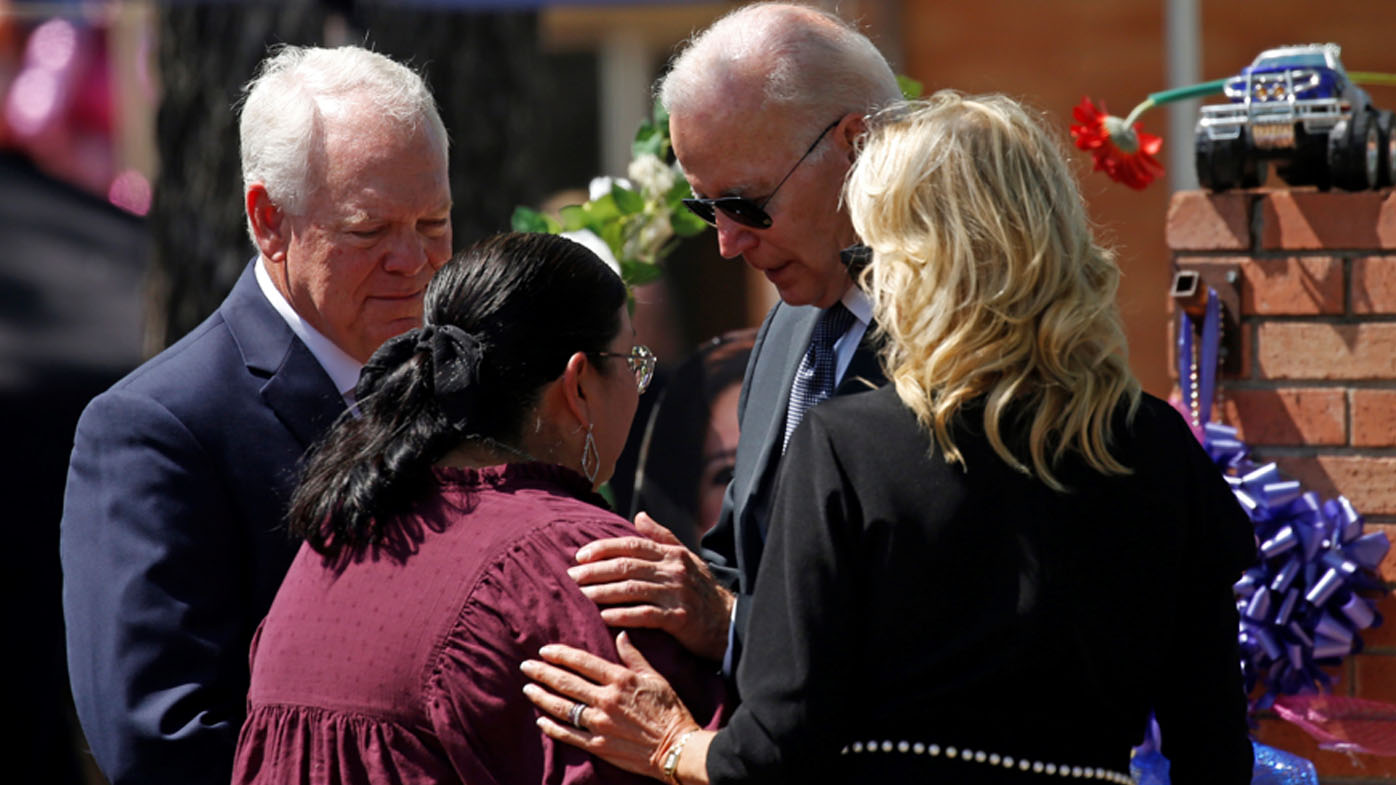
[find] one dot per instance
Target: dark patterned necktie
(814, 381)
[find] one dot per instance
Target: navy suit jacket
(733, 547)
(172, 540)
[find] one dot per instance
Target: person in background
(171, 542)
(994, 568)
(764, 108)
(439, 527)
(690, 443)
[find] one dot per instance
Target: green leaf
(601, 211)
(627, 201)
(613, 232)
(653, 135)
(574, 217)
(679, 192)
(910, 87)
(526, 219)
(650, 139)
(639, 273)
(685, 223)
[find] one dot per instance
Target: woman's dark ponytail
(501, 320)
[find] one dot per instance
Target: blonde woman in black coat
(994, 568)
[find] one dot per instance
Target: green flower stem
(1175, 94)
(1144, 106)
(1371, 77)
(1217, 85)
(1192, 91)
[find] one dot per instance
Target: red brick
(1382, 638)
(1339, 676)
(1386, 221)
(1248, 369)
(1360, 768)
(1302, 286)
(1288, 416)
(1373, 285)
(1387, 569)
(1204, 221)
(1374, 418)
(1375, 677)
(1369, 483)
(1307, 350)
(1310, 220)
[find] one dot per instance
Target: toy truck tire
(1386, 157)
(1223, 164)
(1253, 168)
(1218, 166)
(1354, 152)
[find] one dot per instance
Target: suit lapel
(296, 389)
(302, 395)
(789, 339)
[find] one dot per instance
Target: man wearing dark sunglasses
(765, 108)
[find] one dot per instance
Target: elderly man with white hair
(172, 541)
(764, 110)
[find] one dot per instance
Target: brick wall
(1314, 281)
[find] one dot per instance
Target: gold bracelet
(671, 759)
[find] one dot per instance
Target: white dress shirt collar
(859, 303)
(342, 369)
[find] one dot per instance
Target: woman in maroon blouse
(439, 527)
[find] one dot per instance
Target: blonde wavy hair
(988, 281)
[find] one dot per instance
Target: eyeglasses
(743, 210)
(641, 362)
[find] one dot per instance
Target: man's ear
(853, 126)
(574, 381)
(269, 228)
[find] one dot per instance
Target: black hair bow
(454, 367)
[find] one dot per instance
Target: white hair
(283, 110)
(806, 59)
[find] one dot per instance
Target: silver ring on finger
(574, 716)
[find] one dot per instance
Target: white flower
(600, 186)
(644, 243)
(654, 177)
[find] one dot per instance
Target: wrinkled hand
(631, 714)
(657, 582)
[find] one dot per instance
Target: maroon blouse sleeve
(523, 600)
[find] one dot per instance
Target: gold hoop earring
(591, 457)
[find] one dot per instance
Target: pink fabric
(402, 666)
(1344, 724)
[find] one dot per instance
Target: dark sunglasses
(743, 210)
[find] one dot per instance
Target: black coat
(903, 598)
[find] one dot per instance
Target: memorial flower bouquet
(640, 218)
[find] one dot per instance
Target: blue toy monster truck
(1296, 106)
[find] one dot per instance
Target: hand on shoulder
(654, 581)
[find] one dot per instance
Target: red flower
(1125, 154)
